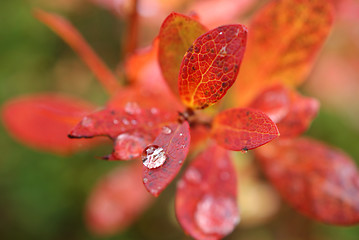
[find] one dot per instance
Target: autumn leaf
(43, 121)
(165, 156)
(285, 38)
(274, 101)
(113, 122)
(211, 65)
(317, 180)
(206, 198)
(242, 129)
(117, 200)
(301, 113)
(177, 34)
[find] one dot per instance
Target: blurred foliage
(42, 196)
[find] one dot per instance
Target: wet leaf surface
(113, 122)
(117, 200)
(206, 205)
(285, 38)
(242, 129)
(177, 34)
(173, 145)
(43, 121)
(211, 65)
(317, 180)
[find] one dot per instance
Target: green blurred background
(42, 196)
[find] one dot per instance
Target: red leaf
(173, 145)
(273, 101)
(177, 34)
(43, 121)
(318, 181)
(242, 129)
(73, 38)
(206, 198)
(301, 114)
(113, 122)
(117, 200)
(211, 65)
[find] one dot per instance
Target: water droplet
(166, 130)
(181, 134)
(115, 121)
(145, 180)
(132, 108)
(87, 122)
(216, 215)
(154, 110)
(220, 33)
(181, 184)
(128, 146)
(193, 175)
(153, 156)
(125, 121)
(133, 122)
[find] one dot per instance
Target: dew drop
(115, 121)
(132, 108)
(220, 33)
(216, 215)
(166, 130)
(181, 134)
(87, 122)
(133, 122)
(154, 110)
(145, 180)
(128, 146)
(193, 175)
(153, 156)
(125, 121)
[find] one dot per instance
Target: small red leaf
(273, 101)
(113, 122)
(117, 200)
(43, 121)
(242, 129)
(173, 145)
(177, 34)
(301, 114)
(206, 198)
(318, 181)
(211, 65)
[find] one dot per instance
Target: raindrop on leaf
(166, 130)
(216, 215)
(153, 156)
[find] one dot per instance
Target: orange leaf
(242, 129)
(301, 113)
(172, 146)
(206, 198)
(73, 38)
(43, 121)
(315, 179)
(117, 200)
(177, 34)
(285, 37)
(273, 101)
(211, 65)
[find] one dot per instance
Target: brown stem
(132, 31)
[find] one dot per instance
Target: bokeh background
(43, 196)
